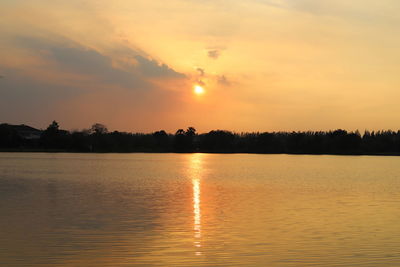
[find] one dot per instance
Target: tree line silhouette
(99, 139)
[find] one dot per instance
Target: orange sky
(265, 65)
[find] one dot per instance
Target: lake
(198, 210)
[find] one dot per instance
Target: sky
(265, 65)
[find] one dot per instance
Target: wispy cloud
(201, 71)
(223, 80)
(356, 10)
(214, 53)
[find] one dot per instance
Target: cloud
(202, 78)
(200, 82)
(201, 71)
(67, 56)
(358, 10)
(214, 53)
(27, 99)
(152, 68)
(223, 80)
(90, 62)
(76, 83)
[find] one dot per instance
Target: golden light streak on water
(196, 208)
(196, 169)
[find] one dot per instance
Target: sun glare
(198, 90)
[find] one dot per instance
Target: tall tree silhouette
(162, 142)
(190, 136)
(53, 137)
(180, 141)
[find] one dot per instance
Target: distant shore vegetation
(99, 139)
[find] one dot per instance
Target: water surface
(198, 210)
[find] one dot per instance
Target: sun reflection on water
(196, 170)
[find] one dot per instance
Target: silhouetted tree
(53, 128)
(218, 140)
(189, 140)
(162, 142)
(54, 138)
(191, 131)
(180, 141)
(99, 128)
(98, 139)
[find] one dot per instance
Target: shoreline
(56, 151)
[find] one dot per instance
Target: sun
(198, 90)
